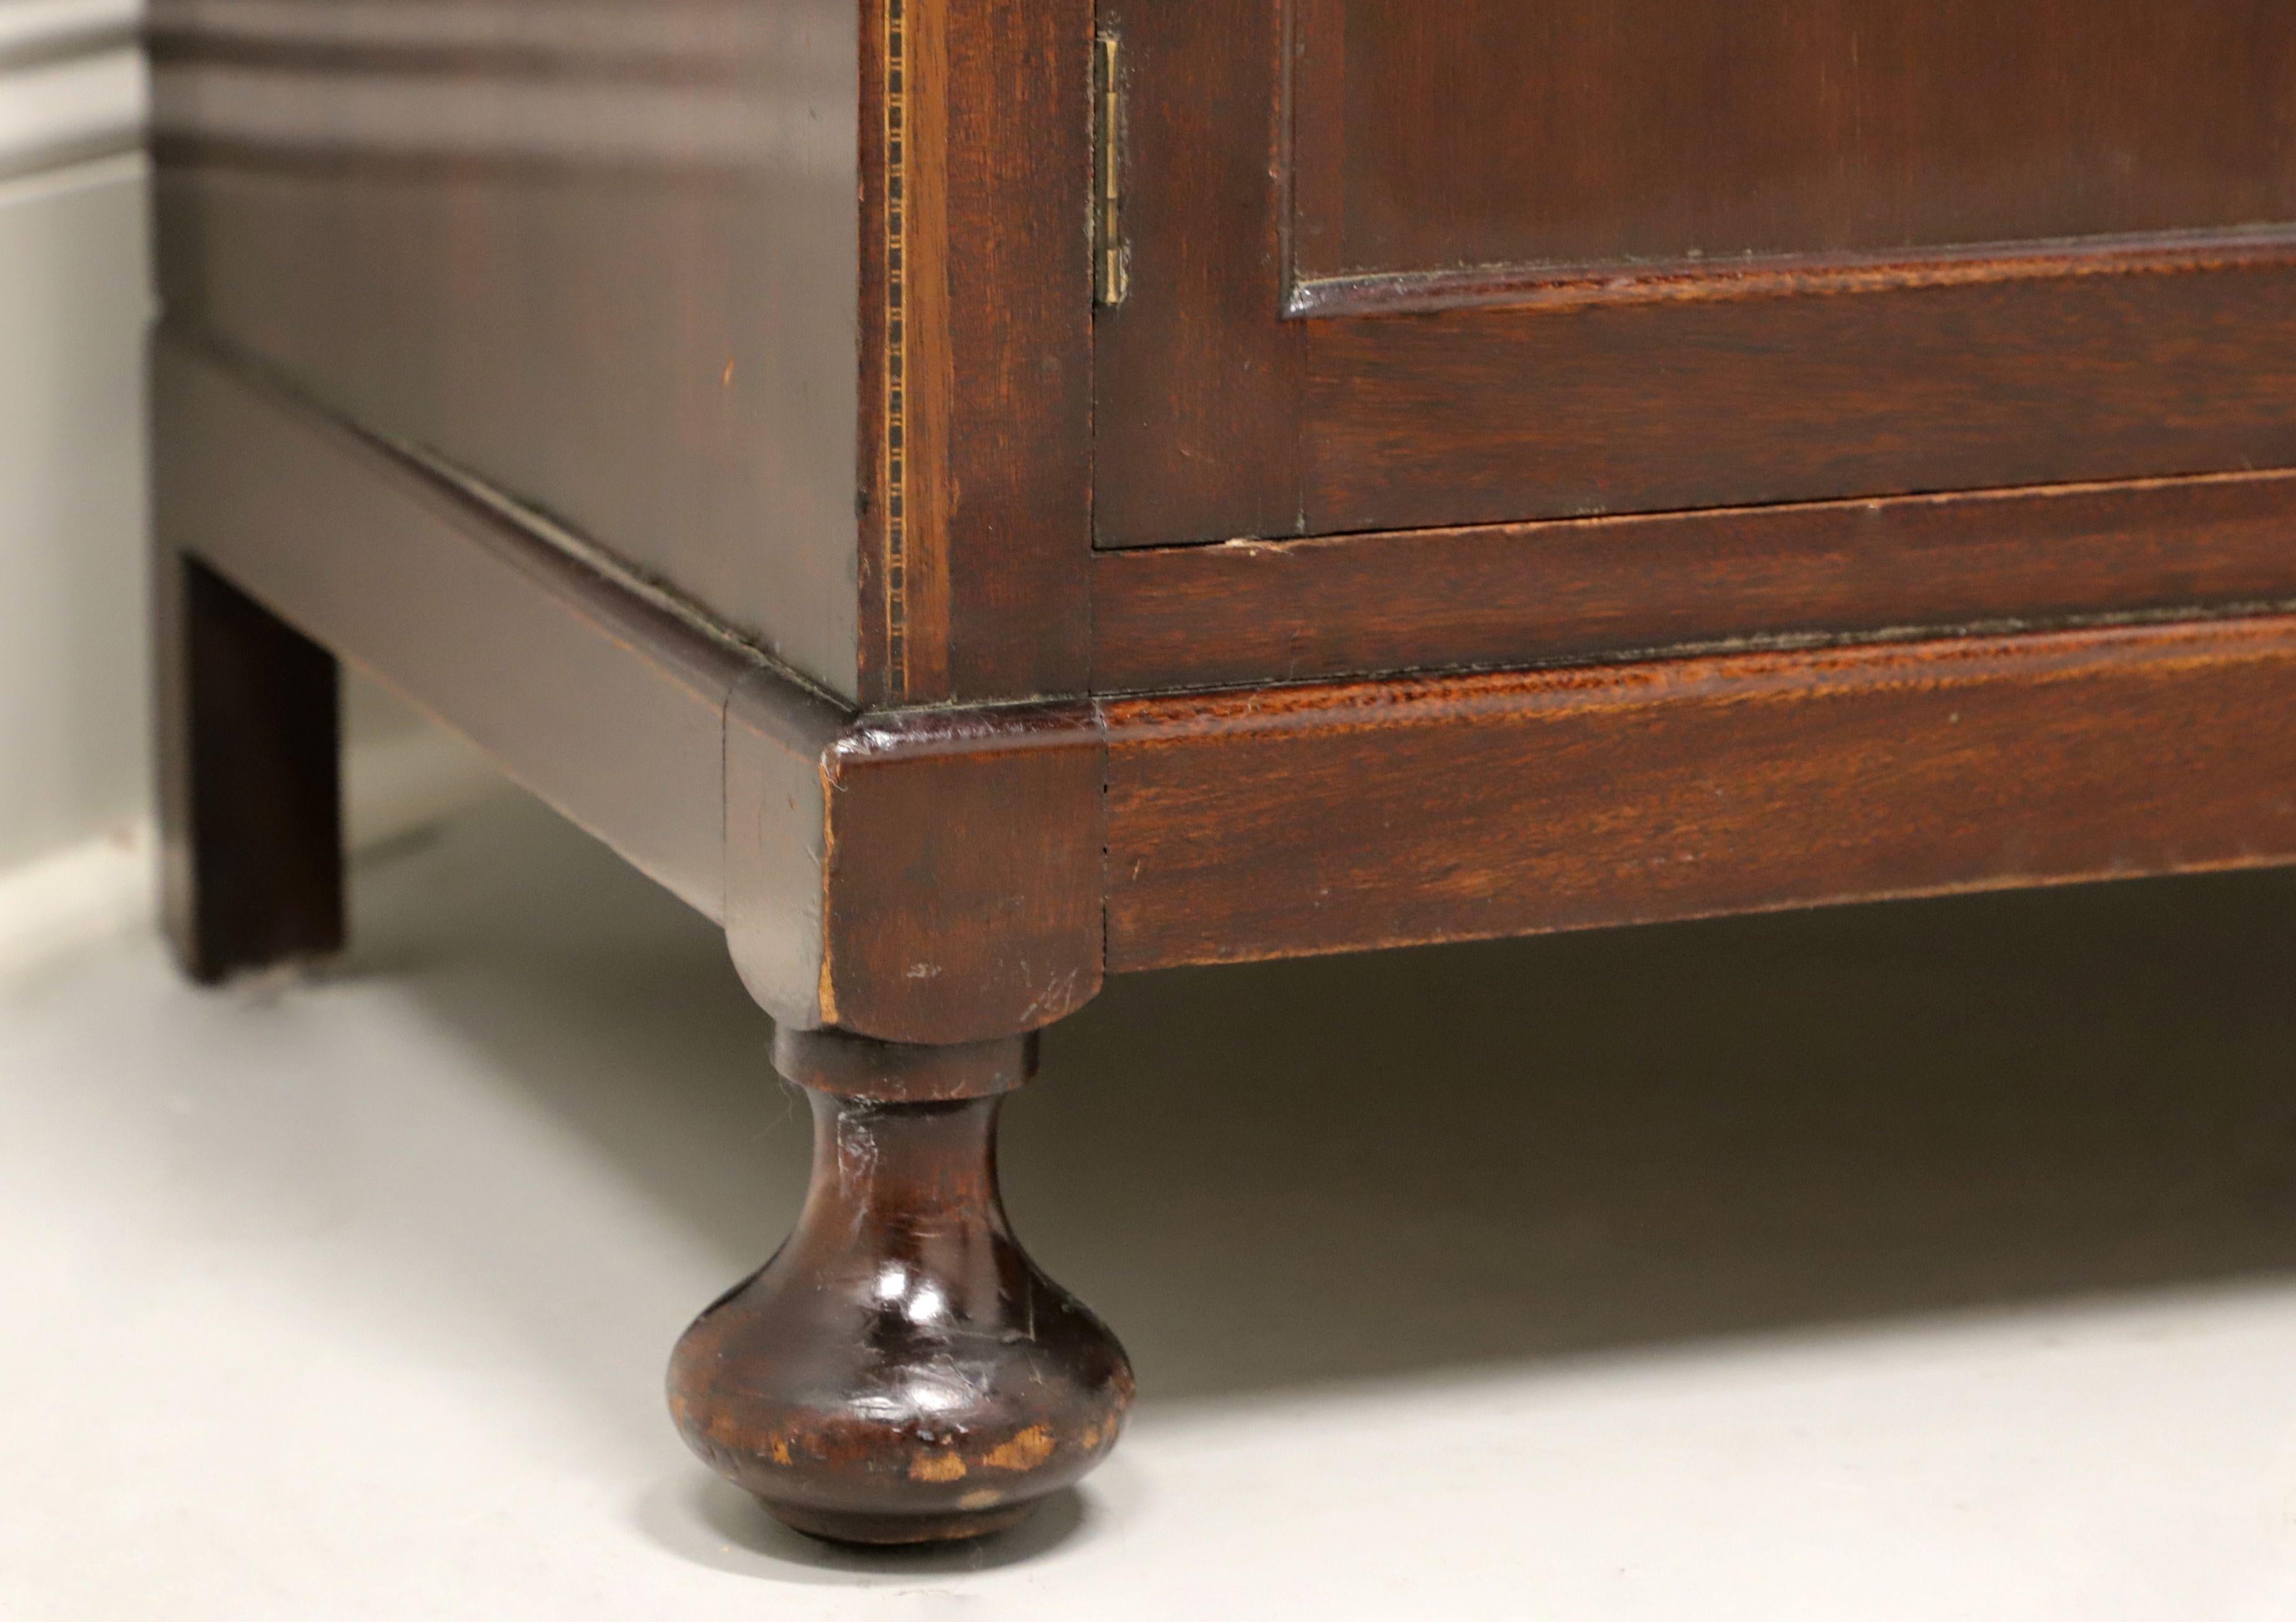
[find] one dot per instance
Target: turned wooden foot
(900, 1372)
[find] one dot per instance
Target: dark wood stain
(1633, 132)
(602, 257)
(1986, 285)
(963, 872)
(702, 410)
(1197, 384)
(1328, 819)
(933, 876)
(458, 610)
(1522, 594)
(989, 597)
(901, 1371)
(250, 778)
(1489, 415)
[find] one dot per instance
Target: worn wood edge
(964, 861)
(606, 705)
(1466, 699)
(715, 772)
(660, 740)
(1151, 631)
(1461, 710)
(1566, 287)
(776, 858)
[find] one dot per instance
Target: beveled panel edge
(1566, 287)
(1629, 586)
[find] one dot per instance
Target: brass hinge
(1111, 271)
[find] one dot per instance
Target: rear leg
(250, 778)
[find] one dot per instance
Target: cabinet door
(1397, 264)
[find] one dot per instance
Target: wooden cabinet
(1402, 267)
(1490, 261)
(977, 494)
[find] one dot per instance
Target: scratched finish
(1571, 589)
(901, 1371)
(1329, 819)
(963, 873)
(602, 704)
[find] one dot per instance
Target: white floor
(1923, 1262)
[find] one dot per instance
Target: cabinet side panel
(601, 258)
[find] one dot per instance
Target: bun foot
(831, 1526)
(901, 1371)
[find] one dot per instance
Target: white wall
(75, 302)
(72, 306)
(71, 82)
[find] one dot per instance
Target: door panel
(1581, 132)
(1398, 265)
(1488, 414)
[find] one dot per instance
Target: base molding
(1327, 819)
(957, 875)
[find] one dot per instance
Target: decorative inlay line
(895, 448)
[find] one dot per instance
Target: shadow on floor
(1286, 1174)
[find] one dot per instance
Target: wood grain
(975, 580)
(933, 876)
(1197, 383)
(1478, 416)
(901, 1371)
(1326, 819)
(1641, 133)
(601, 257)
(1962, 291)
(604, 705)
(963, 873)
(1520, 594)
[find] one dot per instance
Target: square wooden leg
(250, 782)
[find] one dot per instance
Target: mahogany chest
(979, 495)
